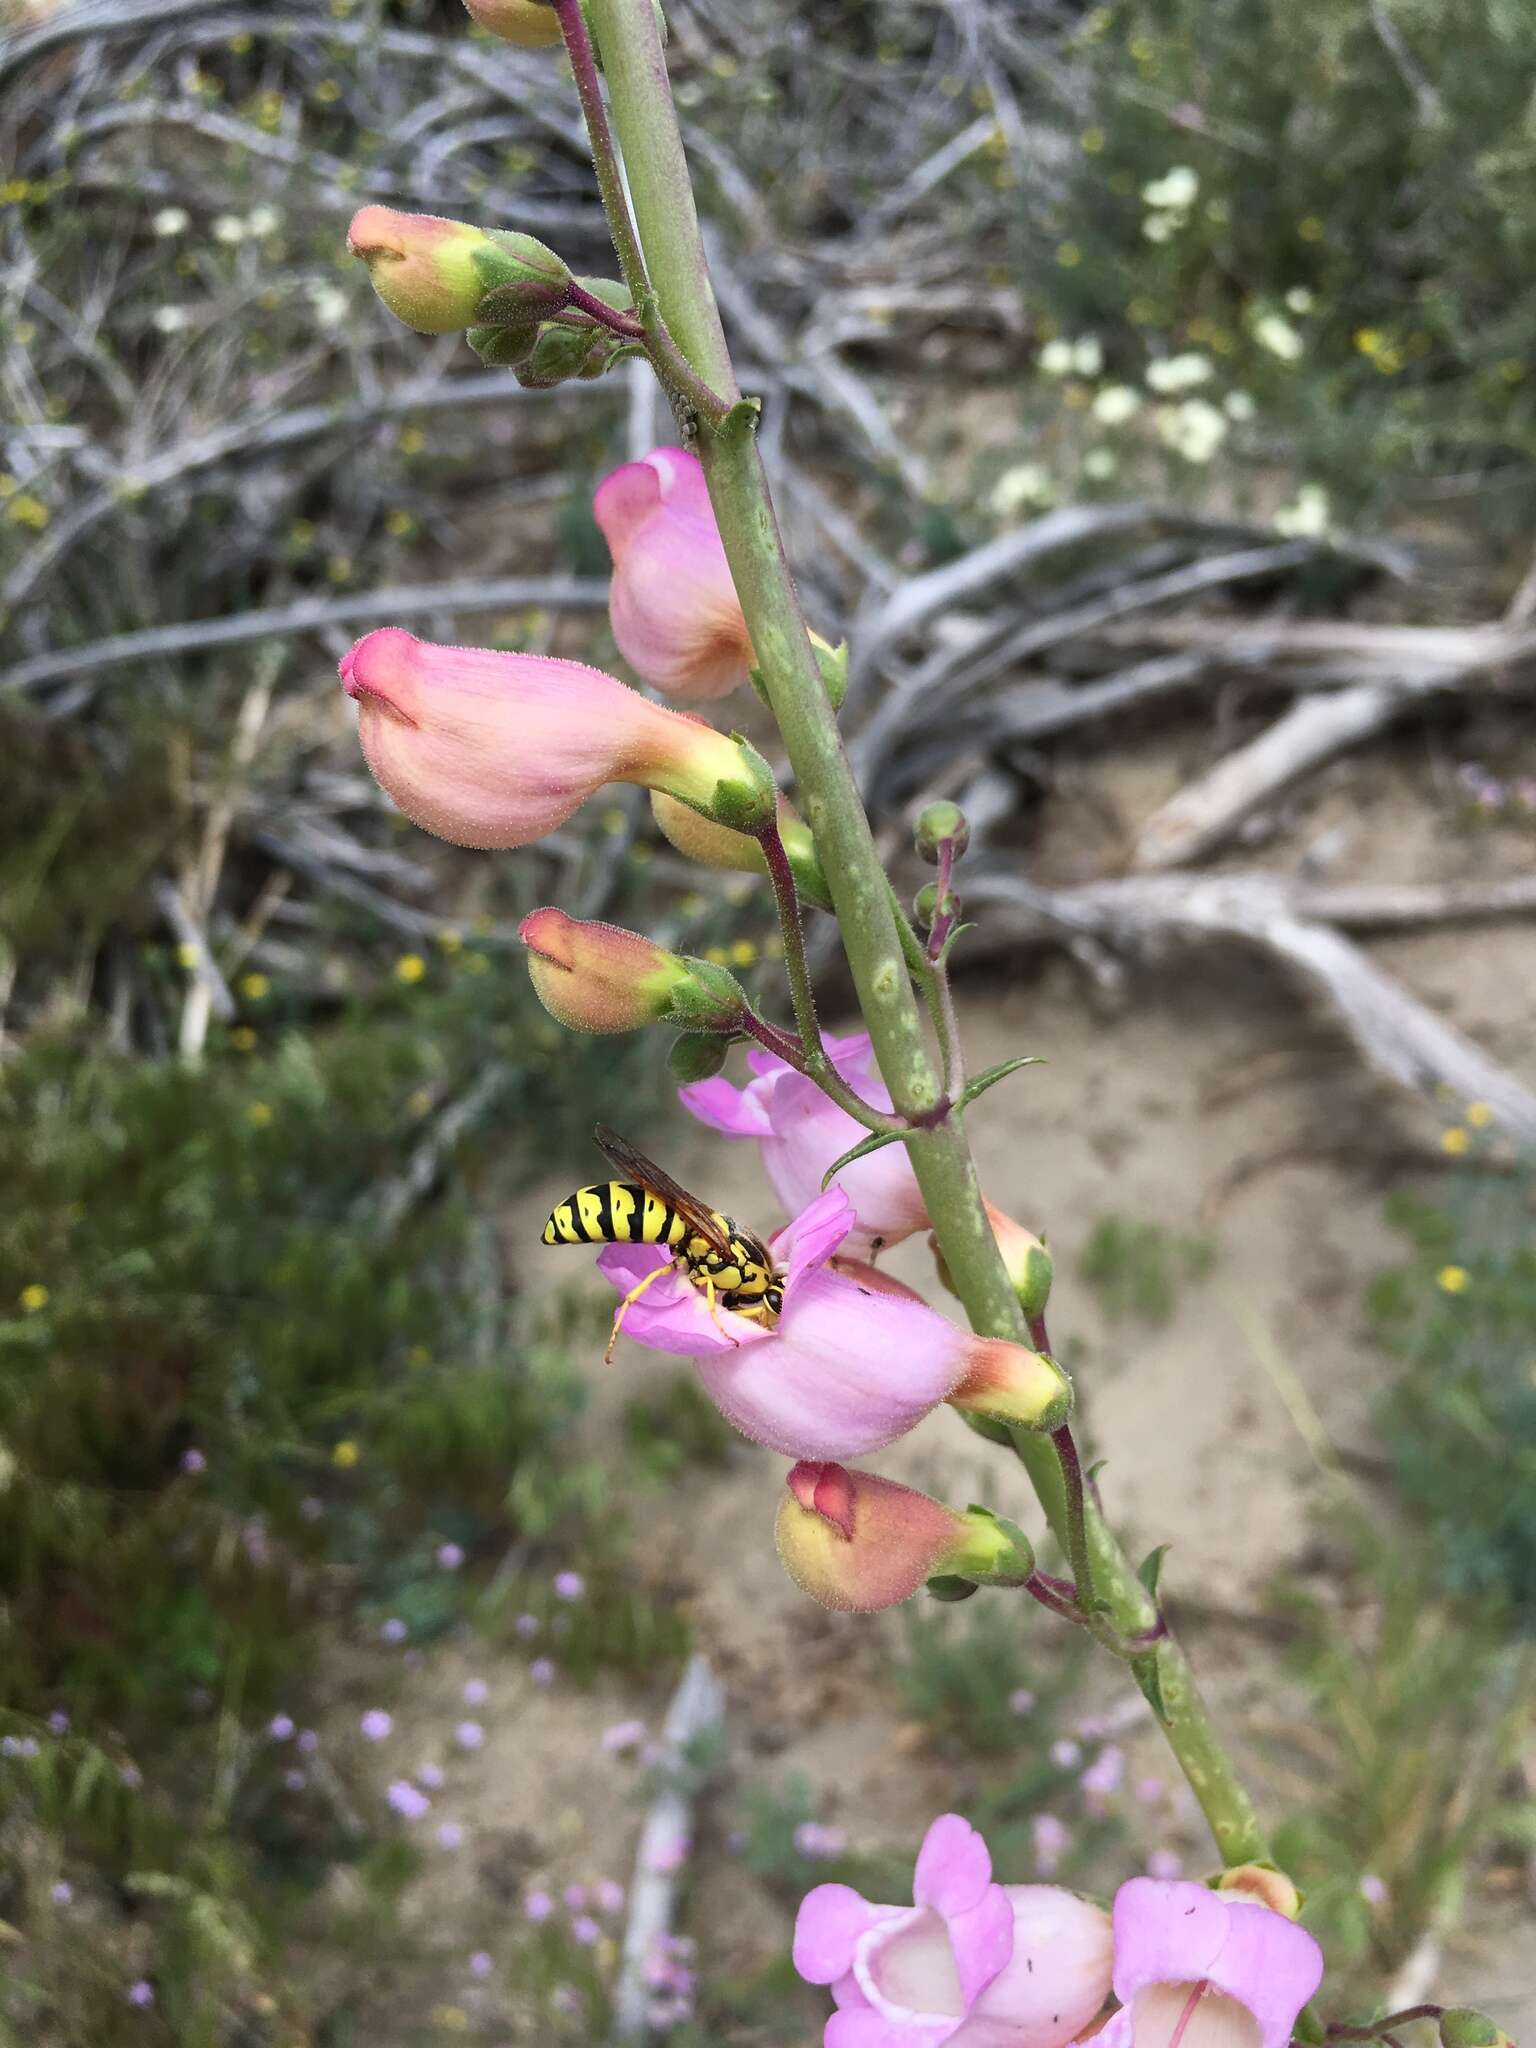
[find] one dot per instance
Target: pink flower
(494, 750)
(375, 1725)
(622, 1736)
(537, 1907)
(450, 1556)
(1206, 1969)
(673, 606)
(476, 1692)
(569, 1585)
(469, 1735)
(542, 1671)
(846, 1368)
(801, 1132)
(407, 1801)
(450, 1835)
(970, 1962)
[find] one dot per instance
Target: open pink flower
(846, 1368)
(802, 1131)
(1202, 1969)
(674, 608)
(971, 1963)
(494, 750)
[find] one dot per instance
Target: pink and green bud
(531, 24)
(858, 1543)
(494, 750)
(1009, 1384)
(712, 846)
(598, 977)
(1462, 2027)
(441, 276)
(940, 825)
(672, 604)
(1030, 1266)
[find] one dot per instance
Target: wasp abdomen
(614, 1212)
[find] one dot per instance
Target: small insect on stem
(732, 1268)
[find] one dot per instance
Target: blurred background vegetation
(271, 1069)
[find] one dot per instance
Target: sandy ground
(1214, 1101)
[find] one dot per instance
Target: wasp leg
(711, 1295)
(634, 1294)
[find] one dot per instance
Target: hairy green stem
(646, 123)
(605, 157)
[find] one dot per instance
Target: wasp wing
(635, 1166)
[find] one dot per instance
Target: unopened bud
(858, 1542)
(437, 275)
(1462, 2027)
(939, 825)
(1263, 1883)
(715, 846)
(1009, 1383)
(598, 977)
(697, 1056)
(531, 24)
(927, 907)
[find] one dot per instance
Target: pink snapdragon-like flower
(846, 1368)
(494, 750)
(971, 1963)
(1206, 1969)
(675, 612)
(801, 1131)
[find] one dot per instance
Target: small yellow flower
(399, 525)
(1092, 141)
(25, 510)
(345, 1455)
(187, 955)
(743, 953)
(412, 440)
(254, 987)
(258, 1115)
(450, 940)
(410, 968)
(33, 1298)
(327, 92)
(1311, 229)
(1453, 1279)
(1479, 1115)
(243, 1038)
(1455, 1141)
(1068, 255)
(717, 956)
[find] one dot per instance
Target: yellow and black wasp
(730, 1266)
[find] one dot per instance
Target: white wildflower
(330, 304)
(171, 220)
(263, 220)
(1175, 190)
(1087, 356)
(1178, 373)
(1307, 518)
(1115, 404)
(1099, 464)
(1056, 359)
(1193, 430)
(1238, 405)
(1160, 227)
(1274, 332)
(1027, 483)
(169, 319)
(1299, 300)
(229, 228)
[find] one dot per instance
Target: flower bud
(1007, 1383)
(1030, 1266)
(927, 907)
(494, 750)
(1462, 2027)
(857, 1542)
(436, 274)
(712, 846)
(937, 825)
(1263, 1883)
(531, 24)
(592, 976)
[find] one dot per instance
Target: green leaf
(860, 1151)
(1150, 1570)
(1000, 1072)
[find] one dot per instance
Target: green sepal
(987, 1426)
(833, 663)
(947, 1587)
(697, 1056)
(1150, 1570)
(710, 999)
(503, 348)
(1000, 1072)
(860, 1151)
(747, 805)
(1092, 1471)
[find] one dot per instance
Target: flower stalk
(666, 220)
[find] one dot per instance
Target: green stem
(646, 122)
(605, 157)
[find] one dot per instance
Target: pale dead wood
(697, 1710)
(1399, 1035)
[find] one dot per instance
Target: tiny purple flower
(141, 1993)
(542, 1671)
(569, 1585)
(450, 1835)
(409, 1803)
(376, 1725)
(1166, 1864)
(295, 1780)
(670, 1854)
(1373, 1889)
(1051, 1838)
(567, 2001)
(280, 1727)
(476, 1692)
(58, 1722)
(1100, 1782)
(449, 1556)
(469, 1735)
(431, 1775)
(609, 1894)
(1021, 1702)
(585, 1930)
(819, 1842)
(1150, 1791)
(537, 1907)
(309, 1741)
(193, 1461)
(575, 1898)
(62, 1892)
(128, 1774)
(1065, 1754)
(481, 1964)
(526, 1625)
(622, 1736)
(394, 1630)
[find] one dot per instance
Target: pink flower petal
(865, 2028)
(738, 1112)
(1168, 1932)
(672, 1314)
(827, 1929)
(954, 1866)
